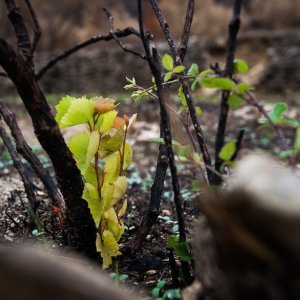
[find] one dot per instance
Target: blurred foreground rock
(248, 245)
(30, 274)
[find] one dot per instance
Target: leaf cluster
(102, 155)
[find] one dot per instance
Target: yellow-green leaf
(127, 156)
(228, 151)
(112, 167)
(80, 111)
(78, 145)
(120, 189)
(108, 120)
(90, 194)
(90, 175)
(112, 143)
(168, 62)
(108, 248)
(92, 148)
(62, 107)
(123, 209)
(107, 195)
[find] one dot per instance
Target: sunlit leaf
(92, 149)
(240, 66)
(62, 107)
(127, 156)
(90, 194)
(123, 209)
(168, 62)
(181, 96)
(217, 83)
(108, 120)
(112, 167)
(228, 151)
(80, 111)
(120, 187)
(193, 70)
(198, 111)
(168, 76)
(178, 69)
(78, 145)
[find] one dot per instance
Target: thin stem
(233, 29)
(123, 152)
(95, 39)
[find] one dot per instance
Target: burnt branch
(16, 19)
(238, 144)
(81, 227)
(187, 29)
(23, 148)
(187, 91)
(93, 40)
(29, 189)
(112, 32)
(154, 204)
(163, 93)
(233, 29)
(36, 28)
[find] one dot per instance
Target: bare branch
(23, 148)
(16, 19)
(112, 32)
(233, 29)
(163, 92)
(29, 189)
(186, 30)
(36, 28)
(95, 39)
(187, 91)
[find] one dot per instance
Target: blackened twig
(187, 91)
(23, 148)
(36, 28)
(233, 29)
(112, 32)
(95, 39)
(16, 19)
(19, 166)
(164, 92)
(173, 267)
(238, 144)
(154, 204)
(187, 29)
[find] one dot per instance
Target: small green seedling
(160, 292)
(102, 155)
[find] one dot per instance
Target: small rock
(166, 212)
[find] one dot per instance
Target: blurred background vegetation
(269, 41)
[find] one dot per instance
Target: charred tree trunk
(81, 227)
